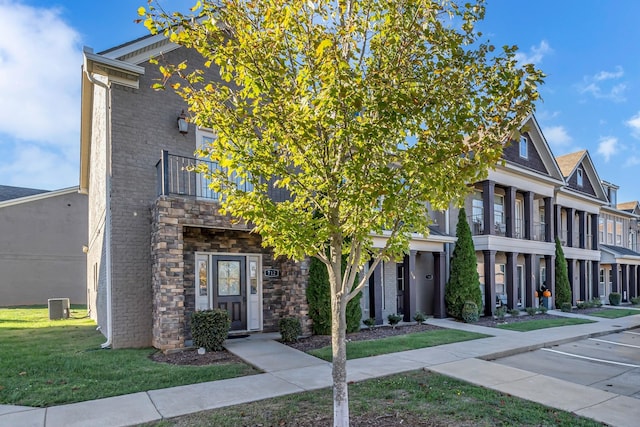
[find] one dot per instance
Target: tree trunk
(339, 350)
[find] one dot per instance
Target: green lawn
(532, 325)
(47, 362)
(415, 398)
(358, 349)
(614, 313)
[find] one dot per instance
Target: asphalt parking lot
(609, 362)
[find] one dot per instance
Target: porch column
(510, 279)
(439, 309)
(528, 215)
(614, 277)
(582, 272)
(582, 230)
(595, 279)
(510, 209)
(375, 295)
(595, 220)
(488, 191)
(550, 263)
(529, 288)
(624, 286)
(570, 214)
(572, 287)
(410, 293)
(558, 221)
(489, 282)
(548, 219)
(632, 282)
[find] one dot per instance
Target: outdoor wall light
(183, 126)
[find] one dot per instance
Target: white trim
(39, 196)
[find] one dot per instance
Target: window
(477, 214)
(498, 214)
(613, 197)
(610, 232)
(524, 147)
(618, 233)
(600, 230)
(579, 177)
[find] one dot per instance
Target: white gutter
(107, 233)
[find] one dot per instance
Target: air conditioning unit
(58, 308)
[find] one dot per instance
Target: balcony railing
(175, 176)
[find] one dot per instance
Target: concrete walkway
(288, 371)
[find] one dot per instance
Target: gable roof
(569, 163)
(39, 195)
(8, 192)
(631, 207)
(541, 161)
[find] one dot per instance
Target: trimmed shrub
(463, 280)
(370, 322)
(615, 298)
(635, 300)
(542, 309)
(419, 317)
(470, 312)
(209, 328)
(566, 307)
(290, 329)
(531, 310)
(563, 289)
(394, 319)
(319, 299)
(514, 312)
(501, 312)
(596, 302)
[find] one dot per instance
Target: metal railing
(176, 176)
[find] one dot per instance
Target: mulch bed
(191, 356)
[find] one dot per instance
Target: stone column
(489, 282)
(439, 308)
(488, 191)
(511, 279)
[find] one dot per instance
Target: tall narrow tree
(563, 287)
(364, 111)
(464, 283)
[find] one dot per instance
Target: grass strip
(416, 398)
(359, 349)
(48, 362)
(614, 313)
(532, 325)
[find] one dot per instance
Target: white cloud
(557, 136)
(634, 124)
(38, 167)
(601, 85)
(632, 161)
(535, 54)
(40, 58)
(607, 147)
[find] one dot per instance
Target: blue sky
(589, 49)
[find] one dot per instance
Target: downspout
(107, 233)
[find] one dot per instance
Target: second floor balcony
(476, 223)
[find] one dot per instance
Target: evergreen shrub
(290, 329)
(470, 312)
(209, 328)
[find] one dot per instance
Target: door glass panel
(202, 277)
(228, 278)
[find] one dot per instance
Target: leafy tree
(319, 299)
(366, 112)
(563, 288)
(463, 284)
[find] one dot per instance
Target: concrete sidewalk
(288, 371)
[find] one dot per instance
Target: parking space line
(591, 358)
(632, 333)
(616, 343)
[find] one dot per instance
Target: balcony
(175, 176)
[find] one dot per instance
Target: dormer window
(524, 147)
(580, 177)
(612, 197)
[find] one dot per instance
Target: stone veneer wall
(182, 226)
